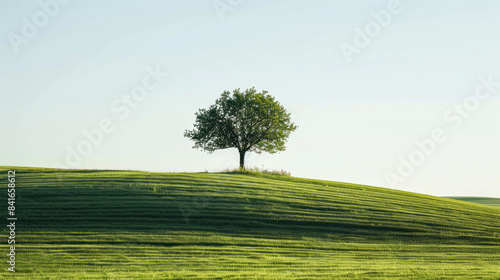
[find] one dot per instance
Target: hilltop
(112, 224)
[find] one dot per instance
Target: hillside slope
(489, 201)
(224, 225)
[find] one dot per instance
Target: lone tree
(248, 121)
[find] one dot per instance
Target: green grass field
(89, 224)
(490, 201)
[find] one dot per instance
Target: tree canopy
(248, 121)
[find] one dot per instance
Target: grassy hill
(490, 201)
(91, 224)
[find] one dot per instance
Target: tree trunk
(242, 159)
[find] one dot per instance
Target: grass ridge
(108, 224)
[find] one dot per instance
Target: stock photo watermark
(121, 108)
(198, 203)
(456, 115)
(225, 6)
(33, 24)
(200, 199)
(11, 219)
(363, 35)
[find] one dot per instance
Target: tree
(248, 121)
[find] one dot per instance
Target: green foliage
(248, 121)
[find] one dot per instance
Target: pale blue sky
(355, 118)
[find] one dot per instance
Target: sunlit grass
(86, 224)
(489, 201)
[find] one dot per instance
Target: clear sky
(70, 67)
